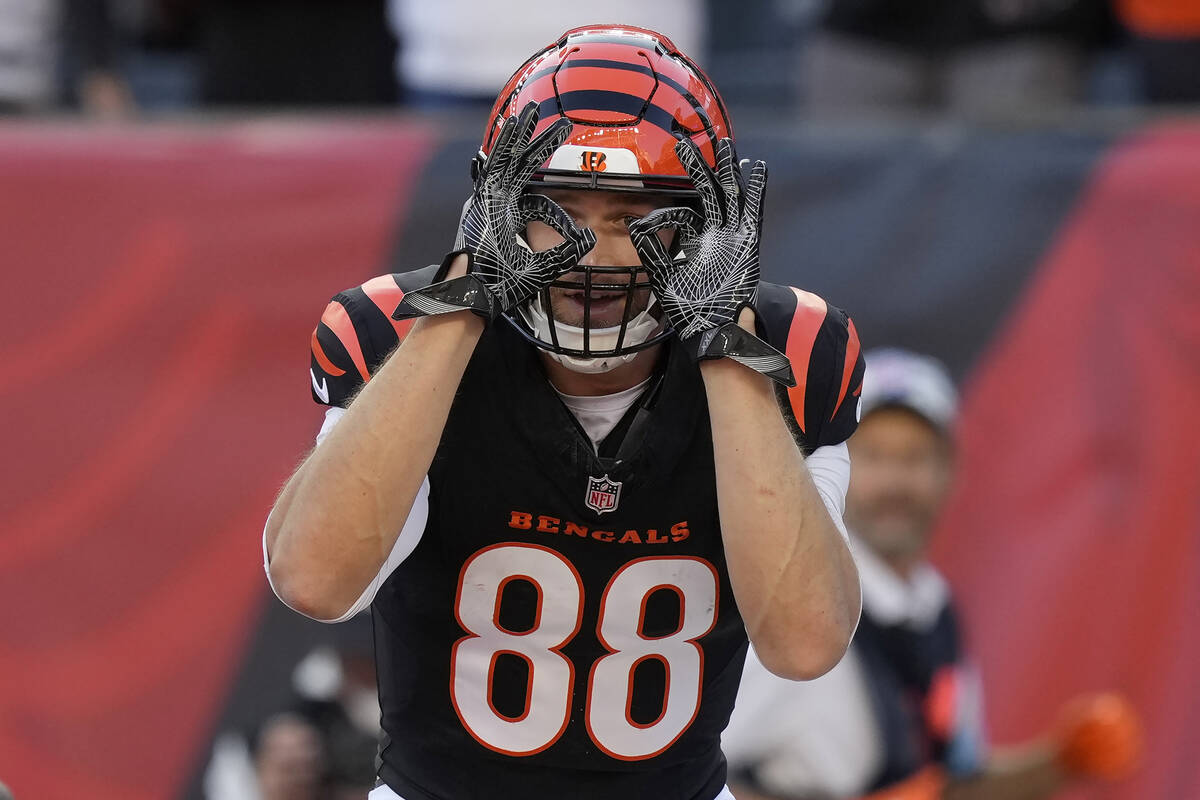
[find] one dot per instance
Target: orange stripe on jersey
(802, 335)
(338, 321)
(853, 346)
(323, 360)
(386, 295)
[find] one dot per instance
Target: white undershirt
(599, 414)
(829, 467)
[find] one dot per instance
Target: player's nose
(612, 249)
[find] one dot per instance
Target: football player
(572, 468)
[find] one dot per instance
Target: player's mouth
(606, 306)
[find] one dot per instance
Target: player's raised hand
(503, 271)
(714, 273)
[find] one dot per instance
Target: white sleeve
(830, 470)
(333, 415)
(406, 542)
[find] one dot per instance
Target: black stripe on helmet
(639, 108)
(604, 63)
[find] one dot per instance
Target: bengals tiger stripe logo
(592, 161)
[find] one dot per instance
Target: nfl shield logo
(602, 494)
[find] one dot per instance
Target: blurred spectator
(340, 697)
(967, 56)
(293, 53)
(1166, 47)
(5, 794)
(289, 759)
(327, 738)
(903, 711)
(47, 43)
(456, 52)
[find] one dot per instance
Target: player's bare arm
(340, 513)
(792, 573)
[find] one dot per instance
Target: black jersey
(916, 679)
(566, 628)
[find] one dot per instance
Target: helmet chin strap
(639, 329)
(591, 366)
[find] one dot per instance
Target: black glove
(502, 271)
(715, 273)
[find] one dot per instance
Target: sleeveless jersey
(566, 628)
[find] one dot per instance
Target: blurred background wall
(184, 185)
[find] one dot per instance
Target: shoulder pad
(356, 333)
(823, 346)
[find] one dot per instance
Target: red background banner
(161, 288)
(1073, 538)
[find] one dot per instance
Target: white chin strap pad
(591, 366)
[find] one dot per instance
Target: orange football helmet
(631, 95)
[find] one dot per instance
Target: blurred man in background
(289, 759)
(903, 713)
(322, 741)
(56, 51)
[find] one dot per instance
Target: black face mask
(622, 283)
